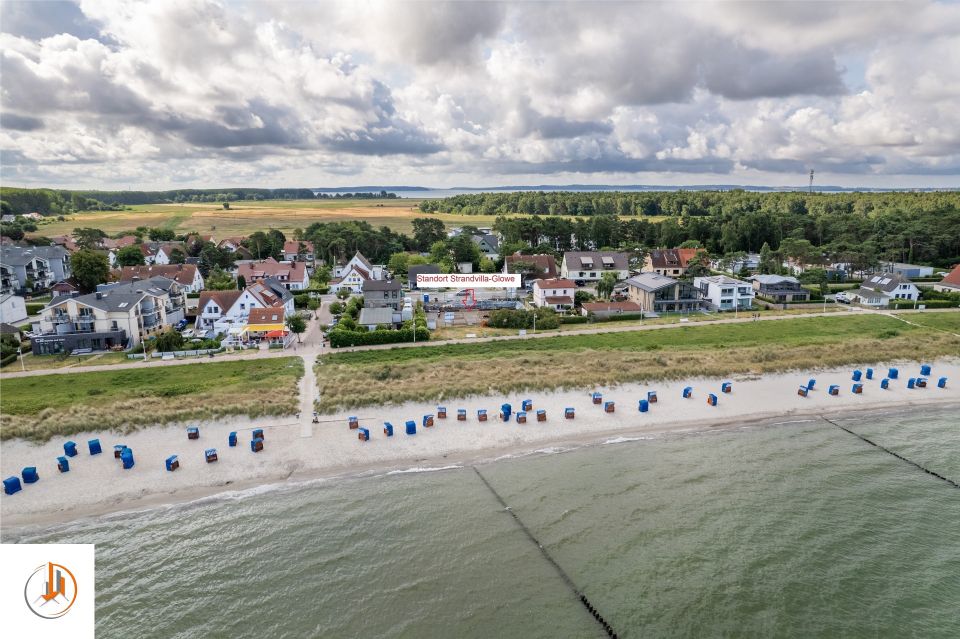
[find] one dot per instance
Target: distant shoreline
(98, 486)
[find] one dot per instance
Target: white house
(878, 290)
(556, 293)
(186, 275)
(749, 261)
(591, 265)
(724, 293)
(228, 311)
(13, 309)
(354, 273)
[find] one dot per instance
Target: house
(294, 251)
(13, 308)
(530, 267)
(163, 251)
(32, 268)
(354, 273)
(662, 294)
(267, 324)
(293, 275)
(607, 309)
(66, 241)
(106, 319)
(906, 270)
(488, 244)
(118, 243)
(950, 282)
(8, 217)
(722, 293)
(63, 287)
(420, 269)
(591, 265)
(556, 293)
(175, 302)
(373, 317)
(213, 306)
(186, 275)
(231, 243)
(749, 261)
(382, 293)
(670, 262)
(228, 312)
(779, 288)
(878, 290)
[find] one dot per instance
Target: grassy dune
(397, 375)
(44, 406)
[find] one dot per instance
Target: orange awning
(275, 334)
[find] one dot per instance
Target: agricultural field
(243, 218)
(45, 406)
(424, 373)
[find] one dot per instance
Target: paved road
(312, 344)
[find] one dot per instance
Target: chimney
(99, 295)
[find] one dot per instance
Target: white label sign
(468, 280)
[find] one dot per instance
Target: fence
(177, 354)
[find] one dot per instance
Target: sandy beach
(296, 450)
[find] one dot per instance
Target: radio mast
(810, 189)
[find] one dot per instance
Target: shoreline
(97, 486)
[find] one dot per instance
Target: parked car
(842, 298)
(182, 324)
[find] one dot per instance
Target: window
(243, 306)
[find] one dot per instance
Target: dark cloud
(550, 127)
(20, 122)
(745, 74)
(35, 20)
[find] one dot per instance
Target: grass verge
(363, 378)
(44, 406)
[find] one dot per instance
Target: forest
(18, 201)
(858, 227)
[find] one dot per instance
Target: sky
(206, 93)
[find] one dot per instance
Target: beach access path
(312, 342)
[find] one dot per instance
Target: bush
(34, 307)
(300, 300)
(909, 304)
(340, 338)
(574, 319)
(8, 359)
(336, 308)
(504, 318)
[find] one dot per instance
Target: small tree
(343, 293)
(177, 256)
(605, 285)
(226, 205)
(169, 340)
(336, 308)
(241, 282)
(129, 256)
(297, 325)
(219, 280)
(89, 269)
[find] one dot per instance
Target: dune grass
(44, 406)
(362, 378)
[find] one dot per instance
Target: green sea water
(792, 530)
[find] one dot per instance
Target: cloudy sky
(206, 93)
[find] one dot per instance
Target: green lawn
(583, 361)
(943, 320)
(42, 406)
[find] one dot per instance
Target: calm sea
(794, 530)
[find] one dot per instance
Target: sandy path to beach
(295, 450)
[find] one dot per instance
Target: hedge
(9, 359)
(342, 338)
(909, 304)
(574, 319)
(33, 307)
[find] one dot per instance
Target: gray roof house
(779, 288)
(878, 290)
(420, 269)
(372, 317)
(39, 266)
(662, 294)
(382, 293)
(591, 265)
(488, 244)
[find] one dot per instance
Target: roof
(366, 263)
(183, 274)
(294, 271)
(120, 242)
(558, 299)
(421, 269)
(490, 239)
(887, 282)
(673, 258)
(952, 278)
(157, 285)
(572, 260)
(608, 307)
(555, 283)
(774, 279)
(23, 255)
(224, 299)
(542, 261)
(720, 280)
(291, 247)
(370, 316)
(868, 293)
(651, 281)
(64, 286)
(8, 329)
(380, 285)
(272, 315)
(107, 301)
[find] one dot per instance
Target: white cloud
(204, 92)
